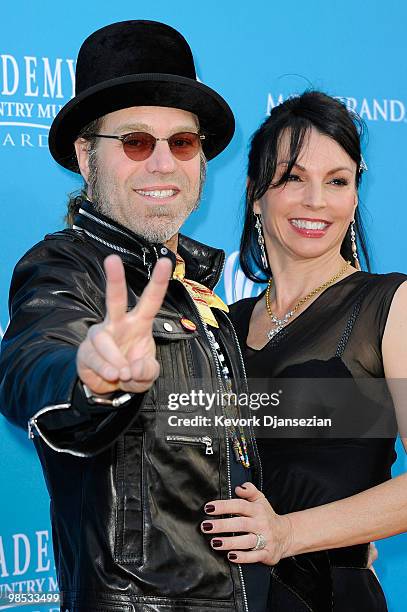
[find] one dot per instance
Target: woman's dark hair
(297, 116)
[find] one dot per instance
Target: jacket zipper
(246, 606)
(218, 375)
(228, 453)
(32, 423)
(207, 440)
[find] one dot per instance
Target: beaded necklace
(236, 434)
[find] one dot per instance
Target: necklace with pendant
(279, 323)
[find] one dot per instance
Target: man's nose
(161, 159)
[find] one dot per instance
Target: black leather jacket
(126, 503)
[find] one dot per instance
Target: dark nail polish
(216, 543)
(209, 508)
(207, 526)
(232, 556)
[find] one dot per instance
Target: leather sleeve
(56, 294)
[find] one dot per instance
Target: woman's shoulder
(382, 285)
(378, 293)
(386, 278)
(240, 313)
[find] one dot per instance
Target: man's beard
(157, 225)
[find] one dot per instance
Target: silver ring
(260, 542)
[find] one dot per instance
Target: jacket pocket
(205, 442)
(128, 546)
(177, 375)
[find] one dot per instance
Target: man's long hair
(76, 197)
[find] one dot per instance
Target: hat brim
(215, 116)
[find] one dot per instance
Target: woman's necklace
(279, 323)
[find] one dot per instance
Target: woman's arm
(376, 513)
(394, 351)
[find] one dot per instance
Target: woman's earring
(260, 240)
(353, 244)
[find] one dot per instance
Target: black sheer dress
(338, 336)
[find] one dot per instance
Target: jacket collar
(203, 263)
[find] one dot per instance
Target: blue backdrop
(255, 54)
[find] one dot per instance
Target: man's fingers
(153, 295)
(99, 365)
(100, 354)
(116, 288)
(137, 377)
(143, 373)
(145, 370)
(107, 348)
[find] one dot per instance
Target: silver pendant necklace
(281, 322)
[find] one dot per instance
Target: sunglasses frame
(124, 136)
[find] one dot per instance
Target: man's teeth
(157, 193)
(310, 225)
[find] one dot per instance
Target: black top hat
(138, 63)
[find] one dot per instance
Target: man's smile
(159, 192)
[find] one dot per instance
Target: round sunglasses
(138, 146)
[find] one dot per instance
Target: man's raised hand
(119, 353)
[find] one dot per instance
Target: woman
(320, 318)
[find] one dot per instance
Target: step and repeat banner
(256, 55)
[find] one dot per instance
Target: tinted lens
(138, 145)
(185, 145)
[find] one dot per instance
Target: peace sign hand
(119, 353)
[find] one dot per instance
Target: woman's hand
(254, 516)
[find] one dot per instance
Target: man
(90, 333)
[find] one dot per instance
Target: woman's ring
(260, 542)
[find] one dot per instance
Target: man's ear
(82, 155)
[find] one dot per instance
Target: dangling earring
(353, 245)
(260, 240)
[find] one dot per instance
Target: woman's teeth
(309, 225)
